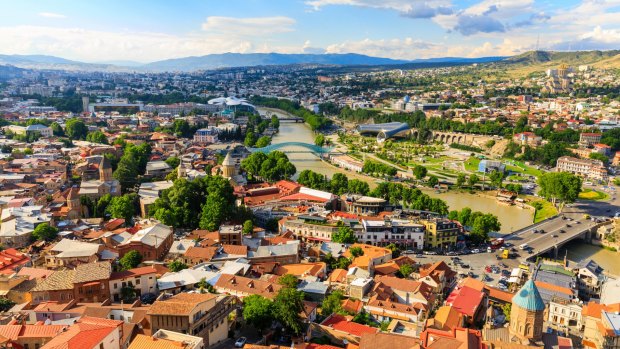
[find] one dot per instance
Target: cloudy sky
(150, 30)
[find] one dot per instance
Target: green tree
(97, 137)
(344, 235)
(263, 142)
(176, 266)
(122, 207)
(126, 173)
(288, 280)
(288, 304)
(599, 156)
(214, 211)
(507, 309)
(419, 172)
(460, 180)
(130, 260)
(275, 122)
(57, 129)
(356, 186)
(250, 139)
(395, 250)
(405, 270)
(181, 128)
(76, 129)
(248, 227)
(473, 180)
(433, 181)
(332, 303)
(356, 251)
(482, 225)
(6, 304)
(173, 161)
(562, 187)
(44, 232)
(496, 178)
(339, 184)
(128, 294)
(102, 205)
(319, 140)
(258, 311)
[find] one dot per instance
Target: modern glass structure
(385, 131)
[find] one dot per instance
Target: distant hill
(225, 60)
(533, 61)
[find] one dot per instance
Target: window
(115, 285)
(137, 281)
(100, 345)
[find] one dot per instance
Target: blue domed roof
(529, 298)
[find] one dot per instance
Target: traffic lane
(548, 240)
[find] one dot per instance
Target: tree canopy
(258, 311)
(344, 235)
(559, 186)
(269, 167)
(76, 129)
(130, 260)
(45, 232)
(211, 195)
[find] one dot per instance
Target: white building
(143, 280)
(563, 313)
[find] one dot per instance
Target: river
(512, 218)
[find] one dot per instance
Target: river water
(511, 217)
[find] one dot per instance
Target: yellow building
(440, 233)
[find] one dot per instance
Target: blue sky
(149, 30)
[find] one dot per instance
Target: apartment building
(589, 168)
(196, 314)
(589, 139)
(143, 280)
(441, 233)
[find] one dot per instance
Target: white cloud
(51, 15)
(257, 26)
(93, 45)
(410, 8)
(407, 48)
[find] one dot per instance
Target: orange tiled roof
(180, 304)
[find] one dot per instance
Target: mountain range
(527, 62)
(222, 60)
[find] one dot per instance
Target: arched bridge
(309, 148)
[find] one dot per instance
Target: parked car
(240, 342)
(475, 250)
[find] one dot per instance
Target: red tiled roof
(340, 323)
(303, 197)
(133, 273)
(11, 259)
(466, 300)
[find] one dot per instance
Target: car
(419, 255)
(562, 231)
(471, 274)
(240, 342)
(578, 222)
(409, 252)
(508, 244)
(148, 298)
(542, 231)
(451, 253)
(530, 251)
(506, 272)
(487, 269)
(554, 235)
(475, 250)
(568, 225)
(466, 266)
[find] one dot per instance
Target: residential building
(196, 314)
(152, 243)
(143, 280)
(441, 233)
(588, 139)
(69, 253)
(601, 326)
(241, 287)
(28, 336)
(86, 283)
(164, 339)
(18, 223)
(206, 135)
(590, 279)
(527, 138)
(563, 313)
(340, 329)
(157, 169)
(589, 168)
(406, 233)
(11, 260)
(89, 333)
(231, 234)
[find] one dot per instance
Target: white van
(522, 246)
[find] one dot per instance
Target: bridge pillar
(555, 251)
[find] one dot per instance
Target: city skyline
(146, 31)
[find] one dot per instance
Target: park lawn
(588, 194)
(522, 168)
(548, 210)
(471, 164)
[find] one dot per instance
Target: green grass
(547, 210)
(471, 164)
(520, 167)
(588, 194)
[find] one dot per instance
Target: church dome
(529, 298)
